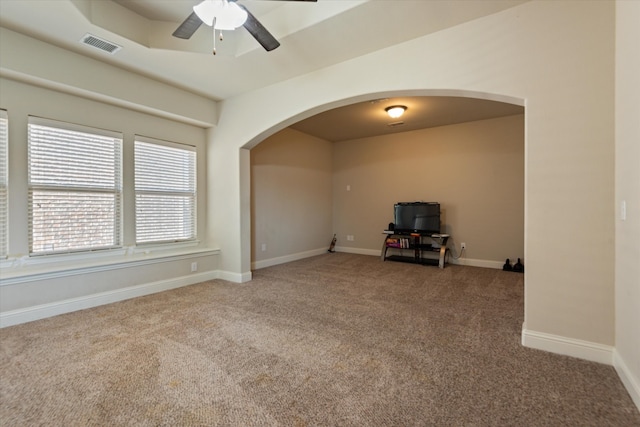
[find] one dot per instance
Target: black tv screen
(417, 217)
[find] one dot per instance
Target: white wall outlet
(463, 246)
(350, 238)
(194, 267)
(348, 187)
(264, 247)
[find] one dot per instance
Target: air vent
(101, 44)
(394, 124)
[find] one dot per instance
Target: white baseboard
(476, 262)
(29, 314)
(631, 383)
(359, 251)
(257, 265)
(235, 277)
(568, 346)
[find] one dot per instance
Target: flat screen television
(417, 217)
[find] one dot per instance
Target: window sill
(26, 269)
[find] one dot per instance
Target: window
(4, 216)
(74, 187)
(165, 186)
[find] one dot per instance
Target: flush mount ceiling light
(220, 14)
(395, 111)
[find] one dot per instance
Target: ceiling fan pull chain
(214, 35)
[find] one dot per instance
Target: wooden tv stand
(415, 245)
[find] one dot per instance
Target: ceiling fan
(226, 15)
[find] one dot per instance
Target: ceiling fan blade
(259, 32)
(188, 27)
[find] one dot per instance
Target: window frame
(116, 189)
(192, 194)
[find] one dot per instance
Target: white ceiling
(312, 36)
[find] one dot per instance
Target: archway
(278, 245)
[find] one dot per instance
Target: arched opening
(469, 156)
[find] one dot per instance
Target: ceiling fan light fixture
(227, 16)
(395, 111)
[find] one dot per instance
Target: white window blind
(74, 187)
(4, 214)
(165, 186)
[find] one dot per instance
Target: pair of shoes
(518, 267)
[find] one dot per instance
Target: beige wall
(290, 197)
(474, 170)
(33, 61)
(627, 360)
(557, 59)
(32, 288)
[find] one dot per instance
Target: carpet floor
(334, 340)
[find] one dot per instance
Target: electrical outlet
(264, 247)
(463, 246)
(194, 267)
